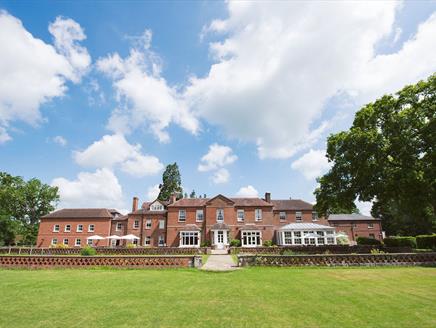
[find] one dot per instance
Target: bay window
(251, 238)
(189, 239)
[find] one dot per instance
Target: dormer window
(219, 215)
(156, 207)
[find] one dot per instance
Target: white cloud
(144, 97)
(221, 176)
(60, 141)
(98, 189)
(280, 62)
(248, 191)
(364, 207)
(153, 192)
(217, 156)
(312, 164)
(113, 150)
(34, 72)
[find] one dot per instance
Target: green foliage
(368, 241)
(171, 182)
(192, 194)
(205, 243)
(131, 245)
(267, 243)
(235, 243)
(88, 251)
(400, 242)
(388, 155)
(426, 241)
(376, 251)
(342, 239)
(22, 203)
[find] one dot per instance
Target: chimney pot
(135, 204)
(268, 197)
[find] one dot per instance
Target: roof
(305, 226)
(220, 226)
(189, 202)
(190, 227)
(146, 211)
(250, 202)
(291, 204)
(79, 213)
(351, 217)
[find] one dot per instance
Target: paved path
(219, 263)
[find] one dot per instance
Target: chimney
(173, 198)
(268, 197)
(135, 204)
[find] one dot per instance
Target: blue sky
(97, 98)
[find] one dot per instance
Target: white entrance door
(219, 239)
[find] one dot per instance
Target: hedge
(400, 241)
(367, 241)
(426, 241)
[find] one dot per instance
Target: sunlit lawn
(252, 297)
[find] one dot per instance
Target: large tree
(171, 182)
(388, 156)
(22, 203)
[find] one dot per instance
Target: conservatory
(305, 234)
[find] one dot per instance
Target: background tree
(192, 194)
(388, 156)
(171, 182)
(22, 203)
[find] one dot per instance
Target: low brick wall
(307, 249)
(57, 261)
(105, 251)
(427, 259)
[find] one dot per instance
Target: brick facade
(194, 222)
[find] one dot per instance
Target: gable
(220, 201)
(157, 206)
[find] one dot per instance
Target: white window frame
(161, 241)
(147, 241)
(65, 243)
(190, 237)
(315, 216)
(250, 235)
(240, 219)
(91, 229)
(78, 242)
(199, 216)
(258, 214)
(219, 213)
(282, 217)
(56, 228)
(182, 218)
(89, 242)
(370, 225)
(148, 224)
(136, 224)
(157, 207)
(298, 216)
(69, 228)
(119, 226)
(161, 224)
(79, 226)
(371, 235)
(54, 241)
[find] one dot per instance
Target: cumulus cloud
(113, 150)
(98, 189)
(221, 176)
(153, 192)
(278, 64)
(34, 72)
(217, 156)
(248, 191)
(312, 164)
(144, 97)
(60, 141)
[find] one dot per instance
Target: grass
(252, 297)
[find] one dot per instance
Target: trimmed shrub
(235, 243)
(400, 242)
(267, 243)
(61, 246)
(368, 241)
(88, 251)
(131, 245)
(426, 241)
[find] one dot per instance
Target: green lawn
(252, 297)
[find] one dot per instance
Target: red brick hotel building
(192, 222)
